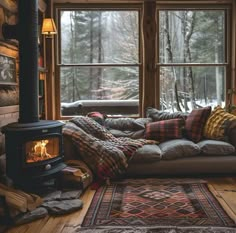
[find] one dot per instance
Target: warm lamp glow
(49, 27)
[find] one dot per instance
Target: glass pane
(186, 88)
(99, 36)
(93, 87)
(42, 149)
(192, 36)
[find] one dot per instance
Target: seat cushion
(215, 147)
(195, 122)
(147, 154)
(178, 148)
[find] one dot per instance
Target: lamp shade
(49, 27)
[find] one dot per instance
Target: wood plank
(227, 200)
(98, 1)
(204, 2)
(76, 219)
(230, 198)
(32, 227)
(199, 2)
(9, 109)
(223, 184)
(68, 229)
(9, 5)
(54, 225)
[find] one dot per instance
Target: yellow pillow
(218, 123)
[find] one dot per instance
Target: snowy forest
(100, 53)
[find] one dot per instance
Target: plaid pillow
(164, 130)
(195, 122)
(218, 123)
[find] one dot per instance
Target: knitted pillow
(164, 130)
(218, 123)
(195, 122)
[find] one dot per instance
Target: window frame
(149, 73)
(58, 64)
(227, 64)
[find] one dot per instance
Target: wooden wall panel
(149, 59)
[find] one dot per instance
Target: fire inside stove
(43, 149)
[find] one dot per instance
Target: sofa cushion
(215, 147)
(158, 115)
(147, 154)
(218, 124)
(178, 148)
(126, 133)
(123, 123)
(164, 130)
(195, 122)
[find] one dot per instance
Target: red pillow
(164, 130)
(195, 122)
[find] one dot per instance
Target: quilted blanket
(106, 155)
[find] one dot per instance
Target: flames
(41, 150)
(37, 151)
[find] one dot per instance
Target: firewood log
(19, 199)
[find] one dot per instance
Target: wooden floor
(224, 188)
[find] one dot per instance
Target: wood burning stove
(33, 147)
(34, 151)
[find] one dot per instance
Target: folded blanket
(106, 155)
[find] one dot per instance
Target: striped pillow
(164, 130)
(218, 123)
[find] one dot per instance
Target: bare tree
(188, 22)
(170, 58)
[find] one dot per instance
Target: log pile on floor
(21, 207)
(18, 200)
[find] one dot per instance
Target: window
(184, 53)
(192, 58)
(99, 61)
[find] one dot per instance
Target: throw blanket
(106, 155)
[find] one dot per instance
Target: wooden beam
(12, 5)
(97, 1)
(9, 5)
(201, 2)
(9, 109)
(233, 51)
(149, 57)
(42, 5)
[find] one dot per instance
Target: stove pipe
(28, 61)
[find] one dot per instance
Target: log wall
(9, 94)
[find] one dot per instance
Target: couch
(200, 143)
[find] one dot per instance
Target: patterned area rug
(159, 230)
(152, 204)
